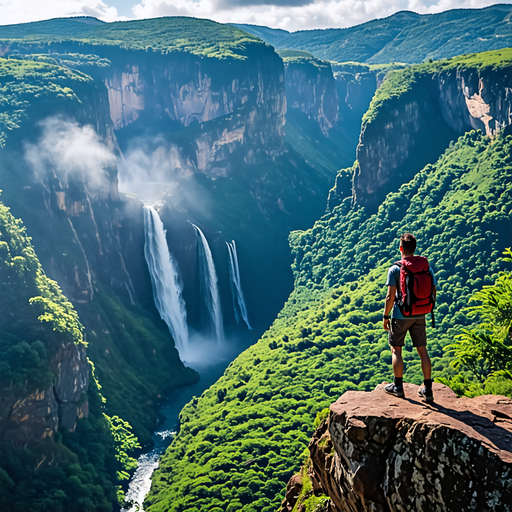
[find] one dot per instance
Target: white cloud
(22, 11)
(296, 14)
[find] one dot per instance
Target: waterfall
(236, 287)
(209, 278)
(165, 279)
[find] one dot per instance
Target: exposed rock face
(31, 417)
(79, 199)
(408, 133)
(380, 453)
(247, 94)
(310, 88)
(355, 91)
(468, 99)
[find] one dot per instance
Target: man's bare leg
(398, 362)
(426, 365)
(397, 387)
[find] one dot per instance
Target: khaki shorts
(417, 328)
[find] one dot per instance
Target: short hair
(408, 242)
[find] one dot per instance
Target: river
(140, 482)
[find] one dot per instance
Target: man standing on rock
(411, 295)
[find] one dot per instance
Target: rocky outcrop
(402, 134)
(310, 88)
(29, 417)
(380, 453)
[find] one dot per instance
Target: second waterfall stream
(236, 287)
(209, 283)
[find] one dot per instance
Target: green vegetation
(27, 87)
(164, 35)
(357, 67)
(78, 470)
(484, 353)
(404, 37)
(293, 54)
(44, 317)
(75, 61)
(134, 358)
(311, 65)
(243, 438)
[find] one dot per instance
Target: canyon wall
(310, 88)
(405, 130)
(355, 84)
(59, 175)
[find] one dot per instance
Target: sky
(286, 14)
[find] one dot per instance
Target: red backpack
(415, 294)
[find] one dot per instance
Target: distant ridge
(405, 36)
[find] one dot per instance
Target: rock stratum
(380, 453)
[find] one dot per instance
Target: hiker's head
(407, 244)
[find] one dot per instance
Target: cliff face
(355, 91)
(380, 453)
(44, 375)
(402, 132)
(67, 174)
(33, 416)
(310, 88)
(180, 90)
(469, 99)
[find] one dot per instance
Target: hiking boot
(392, 389)
(426, 394)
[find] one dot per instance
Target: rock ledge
(380, 453)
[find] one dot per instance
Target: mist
(150, 169)
(205, 351)
(69, 149)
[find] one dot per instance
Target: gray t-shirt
(394, 280)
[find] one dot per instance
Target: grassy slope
(177, 34)
(241, 441)
(402, 37)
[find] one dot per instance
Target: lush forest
(403, 37)
(242, 439)
(76, 471)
